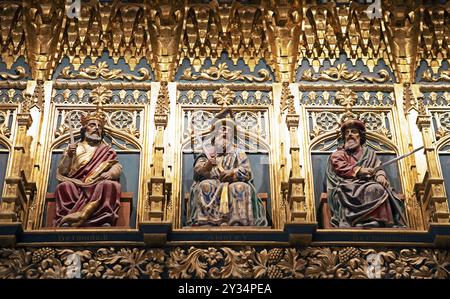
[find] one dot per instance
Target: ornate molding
(283, 24)
(43, 23)
(102, 71)
(432, 45)
(101, 96)
(224, 96)
(20, 74)
(347, 98)
(222, 72)
(231, 86)
(162, 105)
(287, 99)
(283, 33)
(4, 129)
(165, 20)
(402, 29)
(223, 262)
(428, 76)
(340, 72)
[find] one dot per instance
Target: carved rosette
(347, 98)
(224, 96)
(224, 262)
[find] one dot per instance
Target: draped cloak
(354, 200)
(81, 196)
(244, 206)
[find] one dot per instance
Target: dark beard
(351, 145)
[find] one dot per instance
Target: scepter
(72, 139)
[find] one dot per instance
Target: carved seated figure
(359, 196)
(222, 192)
(89, 192)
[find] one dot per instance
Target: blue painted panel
(19, 62)
(3, 165)
(445, 166)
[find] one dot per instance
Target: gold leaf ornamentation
(236, 264)
(441, 133)
(347, 98)
(185, 266)
(224, 96)
(222, 72)
(20, 74)
(224, 262)
(287, 99)
(340, 72)
(102, 71)
(4, 130)
(444, 76)
(101, 96)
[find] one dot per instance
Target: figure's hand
(382, 180)
(365, 172)
(71, 150)
(227, 176)
(106, 176)
(210, 164)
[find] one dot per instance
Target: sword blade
(396, 159)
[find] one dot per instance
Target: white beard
(93, 138)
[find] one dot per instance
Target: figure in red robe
(358, 196)
(89, 192)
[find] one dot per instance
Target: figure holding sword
(358, 190)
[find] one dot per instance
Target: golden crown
(98, 114)
(100, 96)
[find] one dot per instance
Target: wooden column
(14, 206)
(157, 184)
(296, 184)
(434, 197)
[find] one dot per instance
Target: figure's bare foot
(74, 217)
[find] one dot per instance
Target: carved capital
(24, 119)
(292, 120)
(161, 120)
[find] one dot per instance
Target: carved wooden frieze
(224, 262)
